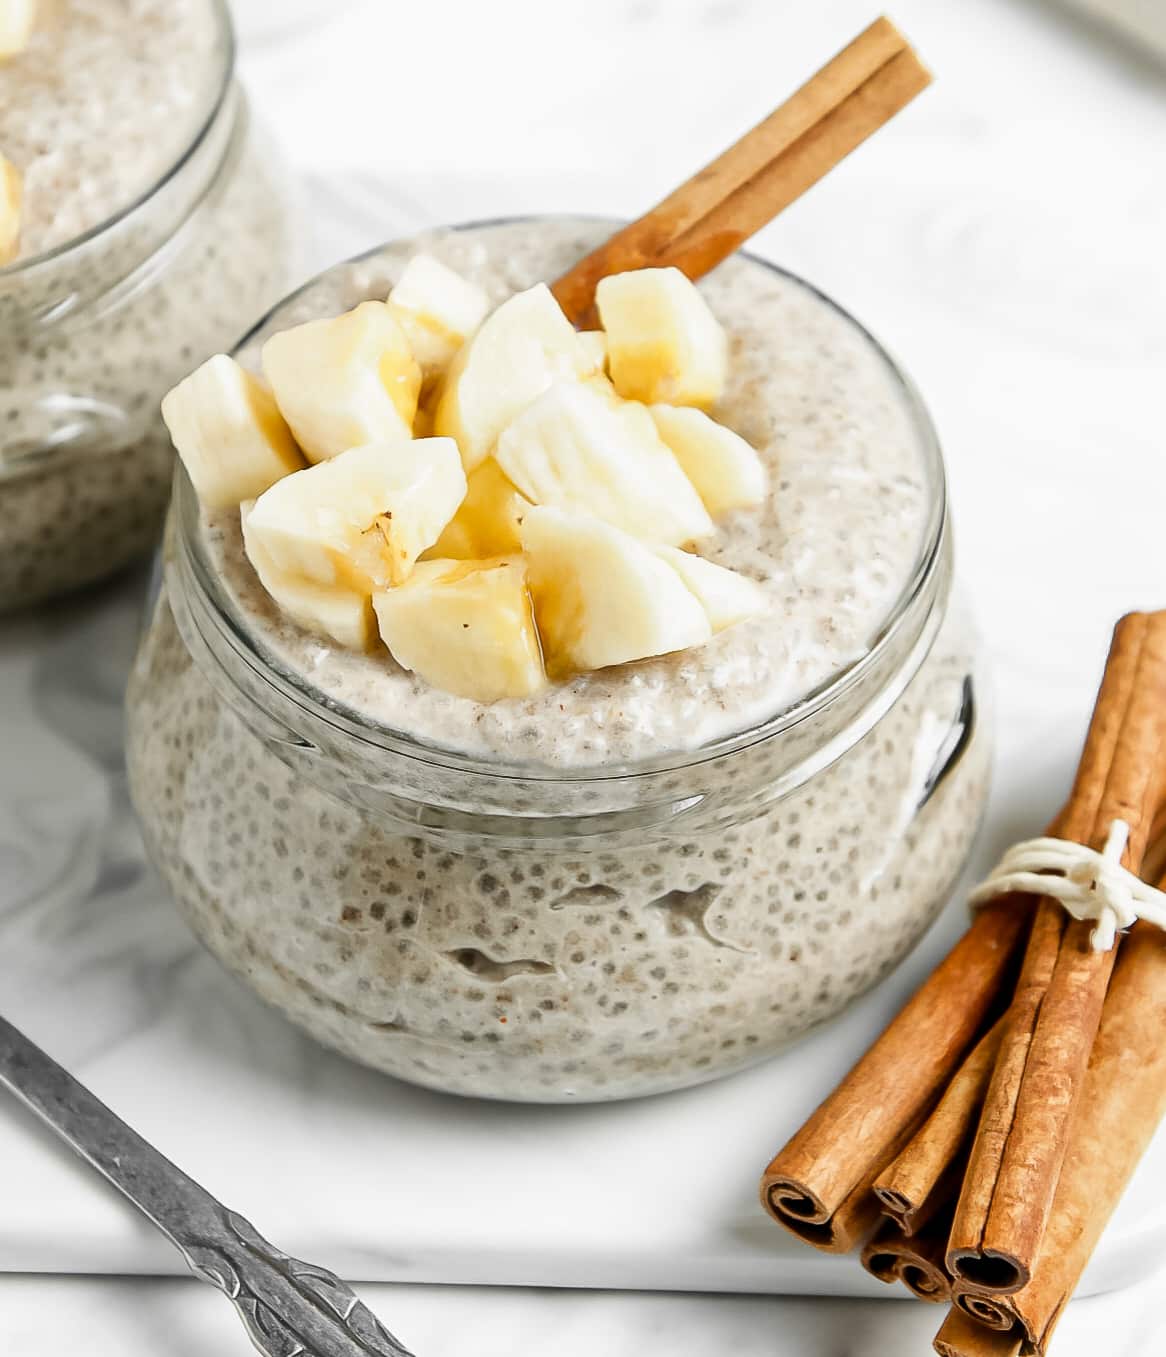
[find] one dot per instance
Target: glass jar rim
(227, 48)
(318, 706)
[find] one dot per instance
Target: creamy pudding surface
(105, 98)
(834, 545)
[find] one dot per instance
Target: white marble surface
(48, 1317)
(1005, 238)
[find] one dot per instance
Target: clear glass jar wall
(93, 333)
(508, 931)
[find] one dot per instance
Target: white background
(1005, 236)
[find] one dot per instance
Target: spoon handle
(289, 1308)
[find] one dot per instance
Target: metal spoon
(290, 1309)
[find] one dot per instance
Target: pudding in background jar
(629, 878)
(154, 226)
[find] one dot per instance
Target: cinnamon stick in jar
(1122, 1102)
(722, 205)
(819, 1185)
(1023, 1133)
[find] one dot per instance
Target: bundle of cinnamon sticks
(982, 1143)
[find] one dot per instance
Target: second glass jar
(93, 333)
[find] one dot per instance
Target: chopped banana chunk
(229, 433)
(438, 310)
(11, 193)
(16, 20)
(345, 381)
(488, 521)
(360, 520)
(602, 597)
(465, 626)
(726, 596)
(593, 346)
(343, 615)
(663, 342)
(516, 354)
(577, 449)
(727, 472)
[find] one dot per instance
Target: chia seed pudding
(630, 882)
(156, 226)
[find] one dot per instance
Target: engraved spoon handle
(290, 1309)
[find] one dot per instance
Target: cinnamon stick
(960, 1336)
(745, 187)
(1154, 861)
(916, 1260)
(922, 1178)
(819, 1185)
(1023, 1132)
(1123, 1099)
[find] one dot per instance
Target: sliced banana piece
(726, 596)
(578, 449)
(663, 342)
(438, 310)
(16, 20)
(466, 627)
(602, 597)
(727, 472)
(516, 354)
(11, 195)
(593, 346)
(487, 522)
(344, 381)
(361, 519)
(343, 615)
(228, 431)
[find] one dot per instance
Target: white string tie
(1088, 884)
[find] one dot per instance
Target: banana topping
(345, 381)
(465, 626)
(519, 351)
(663, 342)
(526, 519)
(360, 520)
(488, 520)
(438, 311)
(602, 596)
(725, 596)
(229, 433)
(343, 615)
(16, 20)
(725, 470)
(577, 449)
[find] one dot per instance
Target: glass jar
(507, 930)
(93, 333)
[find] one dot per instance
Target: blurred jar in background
(157, 225)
